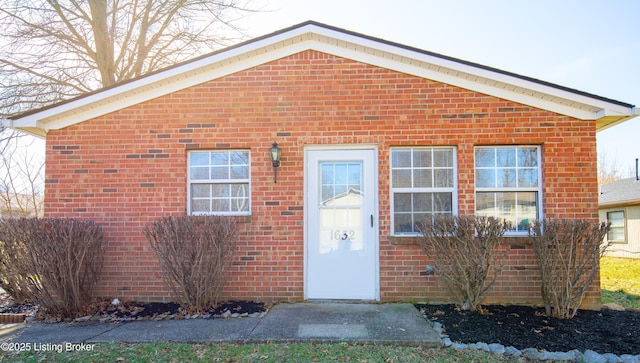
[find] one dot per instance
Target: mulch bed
(107, 311)
(605, 331)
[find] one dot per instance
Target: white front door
(341, 227)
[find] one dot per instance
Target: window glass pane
(219, 158)
(220, 172)
(443, 178)
(485, 204)
(403, 223)
(199, 173)
(402, 202)
(616, 218)
(421, 158)
(239, 157)
(240, 172)
(527, 178)
(200, 190)
(401, 158)
(199, 159)
(239, 190)
(327, 194)
(341, 174)
(423, 202)
(239, 204)
(340, 191)
(485, 178)
(220, 190)
(506, 208)
(526, 209)
(220, 205)
(443, 158)
(527, 157)
(505, 157)
(422, 178)
(506, 178)
(616, 234)
(327, 173)
(200, 205)
(485, 157)
(239, 197)
(420, 218)
(401, 178)
(616, 231)
(442, 203)
(355, 172)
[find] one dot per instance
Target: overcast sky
(592, 46)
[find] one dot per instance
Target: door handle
(372, 221)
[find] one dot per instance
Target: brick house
(373, 135)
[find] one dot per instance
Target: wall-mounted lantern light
(275, 153)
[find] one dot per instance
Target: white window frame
(407, 190)
(211, 181)
(624, 227)
(515, 189)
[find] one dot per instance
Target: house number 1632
(343, 235)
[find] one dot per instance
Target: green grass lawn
(620, 281)
(268, 352)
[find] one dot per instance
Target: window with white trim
(423, 184)
(219, 182)
(508, 184)
(616, 230)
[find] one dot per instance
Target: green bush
(54, 262)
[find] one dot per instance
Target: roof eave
(617, 204)
(311, 35)
(607, 121)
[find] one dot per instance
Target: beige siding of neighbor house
(631, 246)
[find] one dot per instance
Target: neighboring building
(374, 137)
(619, 203)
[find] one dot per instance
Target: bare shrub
(195, 254)
(568, 253)
(54, 262)
(464, 251)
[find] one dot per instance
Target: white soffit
(339, 43)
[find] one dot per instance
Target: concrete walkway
(318, 322)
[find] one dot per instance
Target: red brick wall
(129, 167)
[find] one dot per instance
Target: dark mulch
(604, 331)
(132, 310)
(141, 310)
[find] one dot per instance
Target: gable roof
(620, 193)
(338, 42)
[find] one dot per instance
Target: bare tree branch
(21, 177)
(56, 49)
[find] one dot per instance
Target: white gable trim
(335, 42)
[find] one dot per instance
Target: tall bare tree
(21, 176)
(608, 169)
(51, 50)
